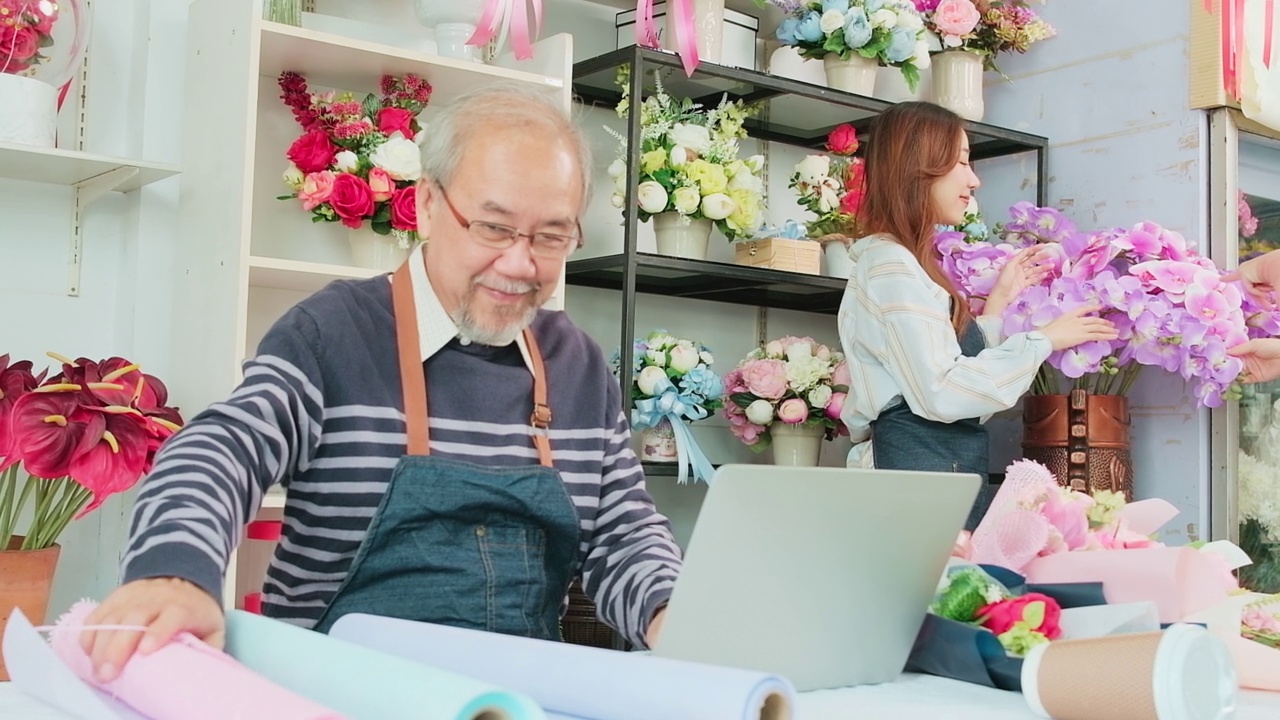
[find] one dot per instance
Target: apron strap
(541, 418)
(413, 379)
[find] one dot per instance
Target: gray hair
(508, 106)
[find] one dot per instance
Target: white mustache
(510, 287)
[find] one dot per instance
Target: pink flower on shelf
(381, 184)
(793, 411)
(956, 17)
(840, 375)
(843, 140)
(1247, 221)
(1171, 276)
(766, 378)
(395, 120)
(351, 199)
(312, 152)
(404, 209)
(743, 429)
(734, 383)
(835, 405)
(316, 189)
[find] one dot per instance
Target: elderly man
(476, 512)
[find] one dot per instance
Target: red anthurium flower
(114, 458)
(50, 428)
(16, 380)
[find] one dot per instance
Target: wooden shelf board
(57, 166)
(346, 63)
(269, 272)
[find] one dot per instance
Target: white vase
(891, 85)
(957, 83)
(678, 238)
(374, 251)
(836, 261)
(797, 445)
(787, 62)
(708, 28)
(658, 443)
(28, 111)
(454, 22)
(856, 75)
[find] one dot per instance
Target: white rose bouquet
(672, 384)
(689, 162)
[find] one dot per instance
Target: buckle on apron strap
(541, 417)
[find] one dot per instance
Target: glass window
(1258, 461)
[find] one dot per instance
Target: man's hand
(1261, 359)
(165, 606)
(655, 627)
(1260, 277)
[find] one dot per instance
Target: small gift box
(781, 249)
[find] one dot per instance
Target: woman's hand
(1074, 328)
(1027, 268)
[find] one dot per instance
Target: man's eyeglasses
(501, 237)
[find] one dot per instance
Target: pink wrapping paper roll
(1179, 580)
(184, 680)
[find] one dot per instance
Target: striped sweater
(320, 412)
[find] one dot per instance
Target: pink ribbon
(686, 39)
(1233, 49)
(499, 16)
(646, 29)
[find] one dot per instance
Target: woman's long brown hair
(909, 147)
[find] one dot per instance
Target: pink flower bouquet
(792, 380)
(984, 27)
(357, 161)
(832, 188)
(1169, 302)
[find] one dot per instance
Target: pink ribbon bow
(1233, 50)
(501, 16)
(686, 42)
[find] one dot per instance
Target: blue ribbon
(667, 403)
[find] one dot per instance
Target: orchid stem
(8, 518)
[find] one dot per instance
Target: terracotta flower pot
(1082, 438)
(26, 576)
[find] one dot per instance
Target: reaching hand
(1027, 268)
(1261, 359)
(1260, 277)
(1074, 328)
(165, 606)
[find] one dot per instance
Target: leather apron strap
(413, 378)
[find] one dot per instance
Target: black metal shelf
(796, 113)
(653, 469)
(706, 280)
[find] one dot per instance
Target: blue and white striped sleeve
(209, 478)
(632, 559)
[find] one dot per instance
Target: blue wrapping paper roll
(956, 650)
(365, 684)
(571, 681)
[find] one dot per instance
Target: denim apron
(902, 440)
(461, 544)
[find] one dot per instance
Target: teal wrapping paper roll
(571, 681)
(362, 683)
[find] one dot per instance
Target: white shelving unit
(247, 257)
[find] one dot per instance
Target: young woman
(924, 371)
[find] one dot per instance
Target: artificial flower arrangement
(889, 31)
(80, 436)
(791, 380)
(672, 383)
(689, 162)
(1169, 303)
(984, 27)
(969, 595)
(1250, 246)
(1260, 621)
(832, 188)
(357, 161)
(26, 30)
(1258, 497)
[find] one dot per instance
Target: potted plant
(832, 188)
(357, 161)
(672, 384)
(788, 394)
(690, 176)
(67, 443)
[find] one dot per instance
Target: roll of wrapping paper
(363, 683)
(184, 680)
(577, 681)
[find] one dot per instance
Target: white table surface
(911, 697)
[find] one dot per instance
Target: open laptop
(821, 575)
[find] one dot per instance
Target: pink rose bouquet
(358, 161)
(984, 27)
(792, 380)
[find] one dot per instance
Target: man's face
(528, 180)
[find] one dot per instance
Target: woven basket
(579, 625)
